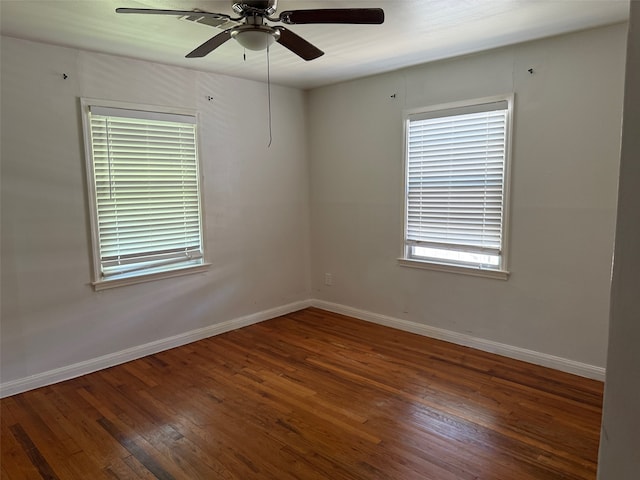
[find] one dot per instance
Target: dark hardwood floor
(310, 395)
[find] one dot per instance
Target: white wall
(344, 142)
(620, 439)
(565, 165)
(256, 206)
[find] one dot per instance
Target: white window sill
(150, 277)
(449, 268)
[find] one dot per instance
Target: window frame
(502, 271)
(99, 282)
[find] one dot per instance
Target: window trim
(501, 273)
(98, 281)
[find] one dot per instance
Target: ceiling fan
(254, 34)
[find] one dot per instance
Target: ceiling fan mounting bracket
(263, 8)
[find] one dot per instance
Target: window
(457, 159)
(144, 190)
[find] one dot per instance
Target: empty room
(320, 240)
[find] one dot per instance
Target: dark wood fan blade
(180, 13)
(298, 45)
(333, 15)
(210, 45)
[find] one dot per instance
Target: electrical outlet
(328, 279)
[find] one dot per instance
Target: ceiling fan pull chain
(269, 95)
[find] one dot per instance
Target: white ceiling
(414, 32)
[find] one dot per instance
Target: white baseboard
(92, 365)
(89, 366)
(531, 356)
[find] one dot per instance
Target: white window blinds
(455, 178)
(147, 199)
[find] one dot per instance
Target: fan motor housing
(267, 6)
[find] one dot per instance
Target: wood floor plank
(136, 450)
(16, 462)
(35, 456)
(307, 396)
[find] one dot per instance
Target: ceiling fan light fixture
(256, 38)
